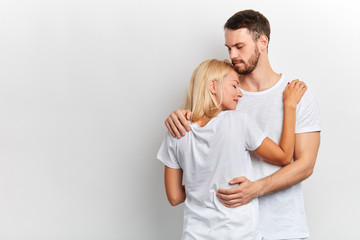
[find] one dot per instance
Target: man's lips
(237, 62)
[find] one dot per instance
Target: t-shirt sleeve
(167, 152)
(308, 115)
(254, 136)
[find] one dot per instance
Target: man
(282, 214)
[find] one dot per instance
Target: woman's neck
(203, 121)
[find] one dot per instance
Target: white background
(85, 87)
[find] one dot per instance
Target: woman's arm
(282, 154)
(175, 191)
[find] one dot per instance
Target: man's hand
(177, 122)
(239, 195)
(306, 149)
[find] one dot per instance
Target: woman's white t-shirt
(210, 157)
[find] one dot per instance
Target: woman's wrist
(290, 106)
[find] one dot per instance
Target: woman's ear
(213, 86)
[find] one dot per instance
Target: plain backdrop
(85, 87)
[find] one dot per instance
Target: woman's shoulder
(234, 118)
(238, 114)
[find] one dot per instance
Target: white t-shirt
(282, 214)
(210, 157)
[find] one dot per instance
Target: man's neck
(262, 78)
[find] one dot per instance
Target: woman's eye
(235, 86)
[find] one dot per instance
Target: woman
(217, 149)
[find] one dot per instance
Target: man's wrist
(259, 185)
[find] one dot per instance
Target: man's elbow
(308, 172)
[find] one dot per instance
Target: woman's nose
(239, 92)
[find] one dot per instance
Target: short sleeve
(308, 115)
(254, 136)
(167, 152)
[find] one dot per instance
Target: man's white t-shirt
(282, 214)
(210, 157)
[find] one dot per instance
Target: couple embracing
(252, 137)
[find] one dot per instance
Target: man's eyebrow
(234, 44)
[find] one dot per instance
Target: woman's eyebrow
(236, 80)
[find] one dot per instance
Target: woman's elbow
(176, 198)
(283, 160)
(174, 201)
(287, 160)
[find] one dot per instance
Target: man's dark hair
(254, 21)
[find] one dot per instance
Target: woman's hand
(293, 93)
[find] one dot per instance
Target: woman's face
(230, 91)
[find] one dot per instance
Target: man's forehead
(237, 36)
(240, 31)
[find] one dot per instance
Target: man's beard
(253, 61)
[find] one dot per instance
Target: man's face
(243, 50)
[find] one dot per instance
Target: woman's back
(210, 157)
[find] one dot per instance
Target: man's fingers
(234, 190)
(176, 118)
(174, 128)
(177, 122)
(228, 198)
(233, 205)
(232, 202)
(180, 121)
(170, 129)
(184, 124)
(188, 116)
(227, 191)
(238, 180)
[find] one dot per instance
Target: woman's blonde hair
(199, 99)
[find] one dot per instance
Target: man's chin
(241, 70)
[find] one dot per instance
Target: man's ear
(263, 42)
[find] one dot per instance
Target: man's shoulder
(308, 100)
(309, 95)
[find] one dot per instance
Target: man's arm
(306, 149)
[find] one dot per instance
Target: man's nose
(232, 54)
